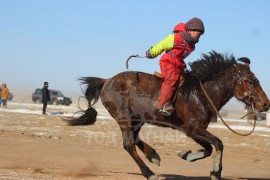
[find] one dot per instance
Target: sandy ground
(35, 146)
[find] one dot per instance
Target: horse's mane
(207, 67)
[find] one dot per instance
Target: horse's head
(249, 90)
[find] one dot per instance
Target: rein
(214, 107)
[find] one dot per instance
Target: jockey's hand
(148, 54)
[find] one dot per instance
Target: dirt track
(34, 146)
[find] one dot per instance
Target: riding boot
(167, 109)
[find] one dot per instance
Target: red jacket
(176, 47)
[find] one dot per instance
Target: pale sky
(60, 40)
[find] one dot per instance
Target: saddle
(181, 79)
(157, 74)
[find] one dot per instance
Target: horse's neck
(221, 89)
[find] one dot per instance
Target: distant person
(5, 93)
(45, 96)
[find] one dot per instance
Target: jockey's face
(195, 34)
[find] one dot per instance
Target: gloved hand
(148, 54)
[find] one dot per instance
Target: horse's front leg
(200, 154)
(217, 165)
(203, 136)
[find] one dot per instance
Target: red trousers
(170, 68)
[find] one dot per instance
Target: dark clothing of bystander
(45, 97)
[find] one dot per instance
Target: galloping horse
(132, 100)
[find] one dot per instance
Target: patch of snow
(239, 127)
(103, 116)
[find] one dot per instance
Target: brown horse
(132, 99)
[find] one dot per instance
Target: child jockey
(177, 46)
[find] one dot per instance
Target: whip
(136, 56)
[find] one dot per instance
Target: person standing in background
(45, 96)
(5, 93)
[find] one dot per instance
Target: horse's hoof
(155, 161)
(215, 176)
(153, 177)
(184, 155)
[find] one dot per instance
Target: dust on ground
(35, 146)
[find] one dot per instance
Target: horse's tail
(92, 93)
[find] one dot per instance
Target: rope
(214, 107)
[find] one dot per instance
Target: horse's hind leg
(129, 145)
(200, 154)
(148, 151)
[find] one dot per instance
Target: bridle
(243, 79)
(247, 92)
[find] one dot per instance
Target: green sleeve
(164, 45)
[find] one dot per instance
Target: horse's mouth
(266, 107)
(262, 107)
(250, 102)
(257, 105)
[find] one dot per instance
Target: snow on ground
(53, 110)
(240, 127)
(68, 111)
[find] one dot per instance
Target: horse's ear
(244, 60)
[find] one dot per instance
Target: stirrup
(167, 109)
